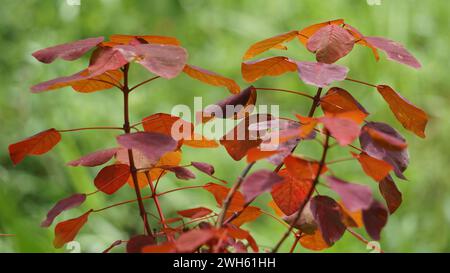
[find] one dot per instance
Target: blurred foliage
(216, 33)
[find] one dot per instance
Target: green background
(216, 33)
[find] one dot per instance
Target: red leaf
(344, 130)
(354, 196)
(394, 50)
(94, 159)
(182, 173)
(152, 145)
(238, 141)
(308, 31)
(398, 159)
(69, 51)
(35, 145)
(136, 243)
(66, 231)
(330, 43)
(166, 61)
(375, 218)
(269, 43)
(373, 167)
(320, 74)
(212, 78)
(274, 66)
(291, 193)
(195, 212)
(328, 216)
(203, 167)
(193, 239)
(62, 205)
(386, 140)
(409, 115)
(112, 178)
(339, 102)
(258, 183)
(390, 193)
(220, 193)
(167, 247)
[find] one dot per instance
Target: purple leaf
(399, 159)
(69, 51)
(259, 182)
(136, 243)
(354, 196)
(62, 81)
(62, 205)
(240, 99)
(375, 218)
(394, 50)
(330, 43)
(94, 159)
(321, 74)
(328, 216)
(203, 167)
(105, 59)
(182, 173)
(166, 61)
(152, 145)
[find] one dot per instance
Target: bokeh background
(216, 33)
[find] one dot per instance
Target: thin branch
(297, 239)
(308, 196)
(227, 201)
(144, 82)
(361, 82)
(340, 160)
(362, 239)
(179, 189)
(91, 128)
(286, 91)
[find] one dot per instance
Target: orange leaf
(247, 215)
(269, 43)
(290, 193)
(97, 83)
(373, 167)
(163, 123)
(314, 241)
(195, 212)
(351, 218)
(220, 193)
(361, 41)
(339, 103)
(125, 39)
(252, 71)
(255, 154)
(409, 115)
(169, 159)
(211, 78)
(302, 169)
(308, 125)
(276, 209)
(67, 230)
(35, 145)
(307, 32)
(385, 140)
(111, 178)
(200, 141)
